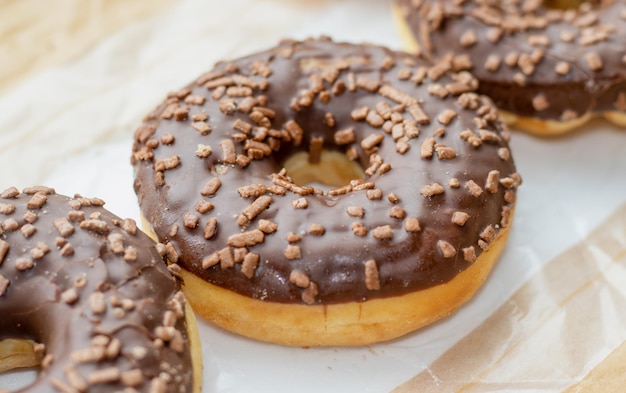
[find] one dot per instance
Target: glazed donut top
(95, 294)
(531, 60)
(439, 181)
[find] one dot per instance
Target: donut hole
(19, 363)
(333, 169)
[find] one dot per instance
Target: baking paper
(552, 308)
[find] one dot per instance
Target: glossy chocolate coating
(334, 261)
(558, 78)
(53, 275)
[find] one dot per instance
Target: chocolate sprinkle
(417, 150)
(563, 59)
(94, 289)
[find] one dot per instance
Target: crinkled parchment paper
(550, 317)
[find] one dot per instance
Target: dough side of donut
(195, 347)
(534, 125)
(347, 324)
(18, 353)
(409, 43)
(543, 127)
(617, 118)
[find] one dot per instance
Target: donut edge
(532, 125)
(345, 324)
(195, 347)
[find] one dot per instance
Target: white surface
(70, 128)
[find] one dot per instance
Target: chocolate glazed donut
(85, 296)
(212, 166)
(549, 69)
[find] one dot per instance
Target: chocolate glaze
(579, 89)
(125, 338)
(335, 261)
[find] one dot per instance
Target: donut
(86, 298)
(549, 66)
(326, 194)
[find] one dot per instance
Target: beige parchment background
(76, 77)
